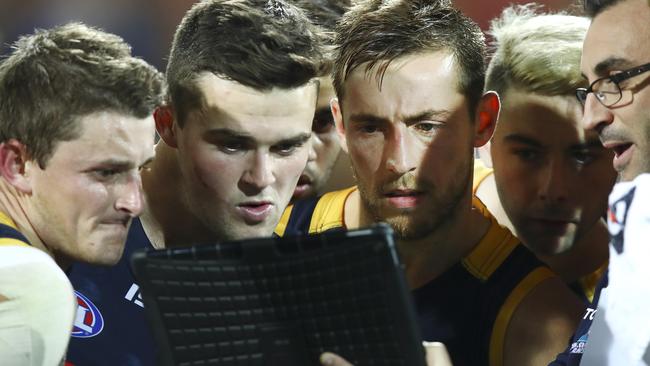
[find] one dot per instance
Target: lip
(553, 226)
(623, 152)
(404, 198)
(303, 188)
(118, 221)
(255, 212)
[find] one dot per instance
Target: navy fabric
(573, 354)
(7, 231)
(459, 310)
(110, 295)
(456, 308)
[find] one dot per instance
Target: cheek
(327, 149)
(289, 169)
(516, 188)
(212, 169)
(366, 154)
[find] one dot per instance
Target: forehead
(550, 120)
(325, 91)
(620, 32)
(228, 104)
(109, 135)
(410, 83)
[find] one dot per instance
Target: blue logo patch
(88, 321)
(579, 345)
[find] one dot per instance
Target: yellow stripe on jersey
(480, 173)
(281, 227)
(6, 220)
(329, 211)
(493, 249)
(12, 242)
(497, 339)
(589, 282)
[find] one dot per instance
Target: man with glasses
(616, 105)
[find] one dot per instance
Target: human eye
(323, 122)
(527, 155)
(286, 148)
(104, 174)
(583, 157)
(367, 128)
(232, 146)
(426, 127)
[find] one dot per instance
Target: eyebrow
(591, 143)
(230, 134)
(249, 139)
(611, 63)
(118, 164)
(521, 139)
(147, 162)
(431, 114)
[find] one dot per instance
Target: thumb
(436, 354)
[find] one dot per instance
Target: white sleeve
(37, 306)
(620, 333)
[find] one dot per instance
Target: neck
(15, 205)
(586, 256)
(166, 220)
(427, 258)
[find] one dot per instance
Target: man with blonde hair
(410, 108)
(551, 177)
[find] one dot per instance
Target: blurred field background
(148, 25)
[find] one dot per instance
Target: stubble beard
(437, 212)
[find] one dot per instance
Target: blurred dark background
(148, 25)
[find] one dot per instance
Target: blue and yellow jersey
(584, 287)
(114, 329)
(468, 307)
(9, 234)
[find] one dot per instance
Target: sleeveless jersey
(584, 287)
(113, 329)
(9, 235)
(468, 307)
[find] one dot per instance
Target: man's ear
(164, 117)
(338, 122)
(14, 165)
(487, 115)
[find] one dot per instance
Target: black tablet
(281, 301)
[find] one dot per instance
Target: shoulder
(314, 215)
(38, 304)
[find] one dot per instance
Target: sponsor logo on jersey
(616, 218)
(88, 321)
(134, 295)
(579, 345)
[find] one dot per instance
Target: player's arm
(541, 324)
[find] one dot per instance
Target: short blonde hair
(536, 52)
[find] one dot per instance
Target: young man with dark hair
(76, 127)
(325, 161)
(615, 58)
(234, 141)
(409, 78)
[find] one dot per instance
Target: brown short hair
(325, 14)
(376, 32)
(55, 76)
(262, 44)
(595, 7)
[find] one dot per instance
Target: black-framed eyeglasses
(607, 90)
